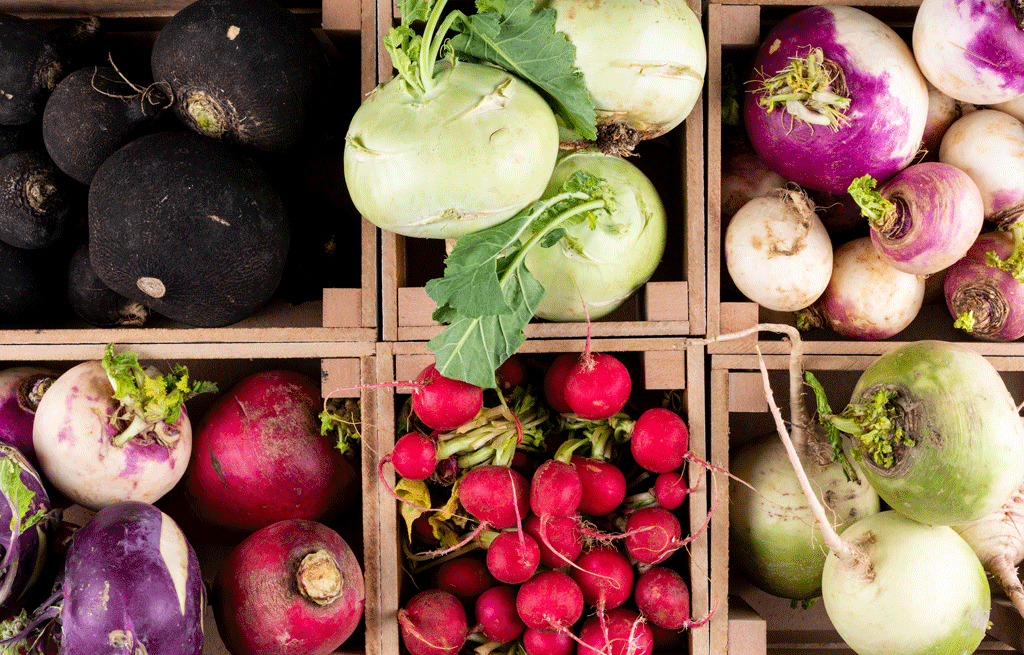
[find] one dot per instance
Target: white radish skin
(988, 145)
(1013, 107)
(778, 252)
(943, 111)
(72, 437)
(866, 297)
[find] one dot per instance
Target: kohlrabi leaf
(487, 296)
(19, 496)
(525, 42)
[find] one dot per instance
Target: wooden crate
(750, 621)
(671, 303)
(345, 375)
(666, 364)
(734, 29)
(344, 311)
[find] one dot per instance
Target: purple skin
(21, 387)
(24, 556)
(994, 298)
(118, 587)
(888, 102)
(938, 214)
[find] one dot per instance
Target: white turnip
(777, 251)
(111, 430)
(866, 297)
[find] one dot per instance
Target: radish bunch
(544, 548)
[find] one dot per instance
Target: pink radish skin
(433, 622)
(511, 373)
(260, 457)
(550, 601)
(294, 587)
(652, 534)
(663, 597)
(554, 381)
(513, 557)
(496, 615)
(670, 489)
(605, 577)
(536, 642)
(465, 577)
(604, 485)
(495, 495)
(660, 440)
(597, 387)
(555, 489)
(443, 403)
(557, 537)
(621, 632)
(414, 456)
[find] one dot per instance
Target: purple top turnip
(110, 430)
(21, 389)
(132, 582)
(837, 94)
(986, 301)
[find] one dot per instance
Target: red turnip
(986, 301)
(293, 587)
(259, 456)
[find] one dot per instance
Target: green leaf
(526, 43)
(19, 496)
(472, 348)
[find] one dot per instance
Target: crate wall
(751, 621)
(342, 376)
(343, 307)
(663, 364)
(734, 29)
(671, 303)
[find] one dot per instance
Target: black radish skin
(30, 67)
(96, 303)
(37, 200)
(27, 289)
(245, 71)
(81, 42)
(188, 227)
(91, 113)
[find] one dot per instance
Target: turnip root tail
(852, 557)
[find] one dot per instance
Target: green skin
(968, 455)
(925, 592)
(771, 535)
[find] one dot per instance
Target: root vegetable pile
(535, 526)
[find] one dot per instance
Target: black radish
(95, 302)
(38, 202)
(30, 66)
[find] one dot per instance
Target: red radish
(597, 386)
(433, 622)
(660, 440)
(260, 457)
(652, 534)
(414, 456)
(605, 577)
(495, 495)
(663, 597)
(621, 632)
(465, 577)
(293, 587)
(443, 403)
(558, 538)
(554, 381)
(496, 615)
(511, 373)
(536, 642)
(550, 601)
(670, 489)
(555, 489)
(604, 485)
(513, 557)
